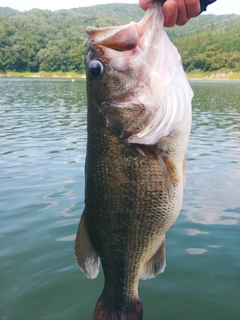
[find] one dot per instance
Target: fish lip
(115, 37)
(105, 37)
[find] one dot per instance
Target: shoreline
(218, 75)
(43, 74)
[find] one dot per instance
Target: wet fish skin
(126, 221)
(133, 191)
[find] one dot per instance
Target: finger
(182, 17)
(145, 4)
(170, 10)
(193, 8)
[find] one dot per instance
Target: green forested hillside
(42, 40)
(209, 42)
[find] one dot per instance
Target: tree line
(43, 40)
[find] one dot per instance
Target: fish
(138, 127)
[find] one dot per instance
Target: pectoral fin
(156, 264)
(85, 255)
(124, 119)
(169, 170)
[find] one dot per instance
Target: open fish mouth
(161, 85)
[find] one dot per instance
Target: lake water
(42, 154)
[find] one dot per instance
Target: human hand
(176, 11)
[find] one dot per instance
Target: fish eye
(95, 69)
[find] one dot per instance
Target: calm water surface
(42, 154)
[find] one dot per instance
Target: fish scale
(118, 197)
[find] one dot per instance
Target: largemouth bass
(139, 119)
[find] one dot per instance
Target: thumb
(145, 4)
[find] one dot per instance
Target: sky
(219, 7)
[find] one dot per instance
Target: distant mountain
(7, 10)
(44, 40)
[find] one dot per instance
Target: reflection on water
(43, 140)
(213, 156)
(196, 250)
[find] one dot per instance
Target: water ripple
(43, 146)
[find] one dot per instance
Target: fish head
(135, 79)
(108, 60)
